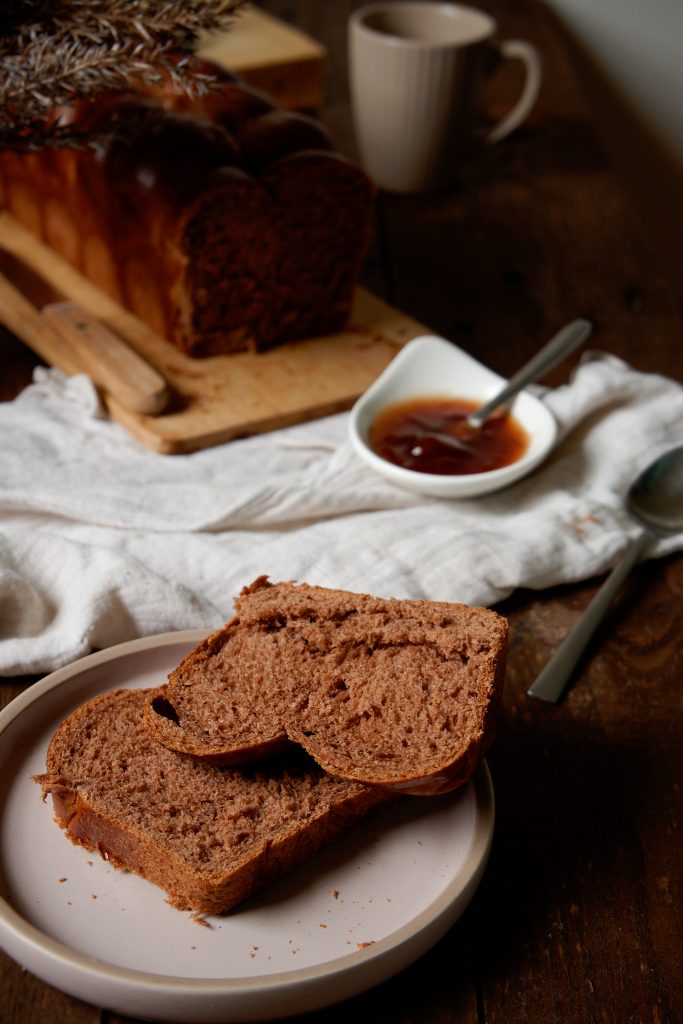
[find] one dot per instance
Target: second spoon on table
(655, 499)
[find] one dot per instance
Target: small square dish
(431, 366)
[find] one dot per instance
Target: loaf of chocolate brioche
(223, 223)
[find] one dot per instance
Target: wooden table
(578, 916)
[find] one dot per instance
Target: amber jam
(430, 435)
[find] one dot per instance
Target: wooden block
(273, 56)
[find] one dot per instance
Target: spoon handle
(560, 345)
(554, 677)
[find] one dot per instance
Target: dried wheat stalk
(54, 51)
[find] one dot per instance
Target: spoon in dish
(560, 345)
(655, 498)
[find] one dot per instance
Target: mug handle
(517, 49)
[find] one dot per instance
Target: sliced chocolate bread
(209, 836)
(397, 694)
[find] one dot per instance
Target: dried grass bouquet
(56, 51)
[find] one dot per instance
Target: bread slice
(209, 836)
(399, 694)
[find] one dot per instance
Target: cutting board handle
(68, 337)
(113, 365)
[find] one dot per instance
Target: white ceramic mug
(415, 69)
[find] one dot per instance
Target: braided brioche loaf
(223, 223)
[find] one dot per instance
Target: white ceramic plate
(362, 910)
(433, 366)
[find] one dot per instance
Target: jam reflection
(431, 435)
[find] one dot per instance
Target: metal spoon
(565, 341)
(655, 498)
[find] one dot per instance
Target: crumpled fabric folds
(102, 541)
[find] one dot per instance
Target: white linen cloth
(103, 541)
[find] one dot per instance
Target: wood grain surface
(577, 920)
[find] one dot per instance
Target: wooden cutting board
(223, 397)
